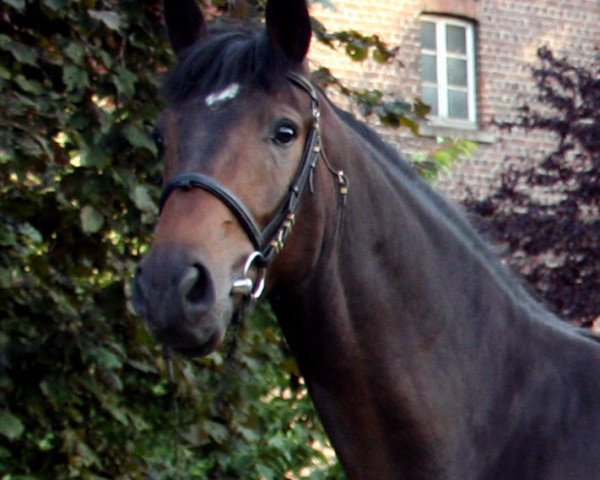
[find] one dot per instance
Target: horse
(424, 356)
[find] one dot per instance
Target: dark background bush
(84, 391)
(546, 212)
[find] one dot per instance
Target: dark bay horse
(424, 358)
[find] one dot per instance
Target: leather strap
(271, 240)
(188, 181)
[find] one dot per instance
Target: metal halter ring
(246, 286)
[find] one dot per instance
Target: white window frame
(442, 55)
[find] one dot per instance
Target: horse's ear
(289, 27)
(185, 23)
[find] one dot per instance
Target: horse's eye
(285, 133)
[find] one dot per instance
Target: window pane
(428, 35)
(429, 68)
(457, 72)
(456, 41)
(458, 105)
(430, 97)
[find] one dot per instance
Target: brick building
(471, 60)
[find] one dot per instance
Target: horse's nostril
(197, 287)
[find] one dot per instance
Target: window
(448, 70)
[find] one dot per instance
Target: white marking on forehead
(228, 93)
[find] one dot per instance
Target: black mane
(226, 54)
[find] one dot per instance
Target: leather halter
(268, 242)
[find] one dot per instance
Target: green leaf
(86, 455)
(91, 220)
(142, 366)
(10, 426)
(381, 55)
(161, 389)
(357, 52)
(29, 86)
(411, 124)
(389, 120)
(103, 358)
(125, 81)
(7, 239)
(47, 443)
(56, 390)
(94, 157)
(119, 414)
(106, 59)
(6, 155)
(142, 199)
(17, 4)
(22, 53)
(398, 107)
(217, 431)
(139, 138)
(75, 78)
(5, 42)
(5, 73)
(57, 5)
(109, 18)
(31, 233)
(265, 472)
(75, 52)
(421, 108)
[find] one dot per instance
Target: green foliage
(433, 164)
(391, 111)
(83, 389)
(357, 46)
(252, 418)
(77, 374)
(545, 212)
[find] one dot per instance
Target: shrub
(547, 213)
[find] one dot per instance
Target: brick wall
(509, 32)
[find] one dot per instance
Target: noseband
(267, 242)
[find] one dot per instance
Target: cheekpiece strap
(270, 241)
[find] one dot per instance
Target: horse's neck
(405, 335)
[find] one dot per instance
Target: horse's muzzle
(177, 300)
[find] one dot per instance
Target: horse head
(240, 137)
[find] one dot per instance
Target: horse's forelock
(225, 56)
